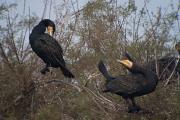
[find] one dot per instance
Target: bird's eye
(50, 30)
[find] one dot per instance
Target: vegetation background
(101, 29)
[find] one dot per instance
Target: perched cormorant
(141, 82)
(47, 48)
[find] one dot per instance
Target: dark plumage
(47, 48)
(141, 82)
(165, 65)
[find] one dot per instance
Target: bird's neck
(149, 75)
(137, 69)
(39, 29)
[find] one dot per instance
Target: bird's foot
(44, 70)
(134, 109)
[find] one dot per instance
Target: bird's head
(177, 46)
(50, 26)
(127, 63)
(130, 64)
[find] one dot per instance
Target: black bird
(47, 48)
(141, 82)
(166, 64)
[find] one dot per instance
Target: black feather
(47, 48)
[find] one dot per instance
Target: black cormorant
(47, 48)
(141, 82)
(166, 64)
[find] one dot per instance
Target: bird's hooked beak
(50, 30)
(126, 63)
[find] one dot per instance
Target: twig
(5, 58)
(11, 37)
(172, 73)
(50, 9)
(166, 67)
(44, 11)
(61, 81)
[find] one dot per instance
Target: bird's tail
(103, 70)
(67, 73)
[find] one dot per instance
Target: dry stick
(99, 106)
(178, 16)
(44, 11)
(24, 7)
(73, 14)
(166, 67)
(21, 49)
(171, 73)
(156, 63)
(71, 35)
(50, 9)
(60, 81)
(11, 36)
(80, 88)
(29, 29)
(22, 44)
(153, 31)
(29, 20)
(26, 52)
(77, 5)
(89, 78)
(5, 58)
(107, 100)
(133, 27)
(138, 23)
(119, 26)
(101, 99)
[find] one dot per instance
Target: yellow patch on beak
(50, 30)
(126, 63)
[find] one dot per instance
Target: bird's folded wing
(127, 84)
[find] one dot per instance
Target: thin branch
(44, 11)
(172, 73)
(61, 81)
(50, 9)
(11, 37)
(5, 58)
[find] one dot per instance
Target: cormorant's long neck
(39, 29)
